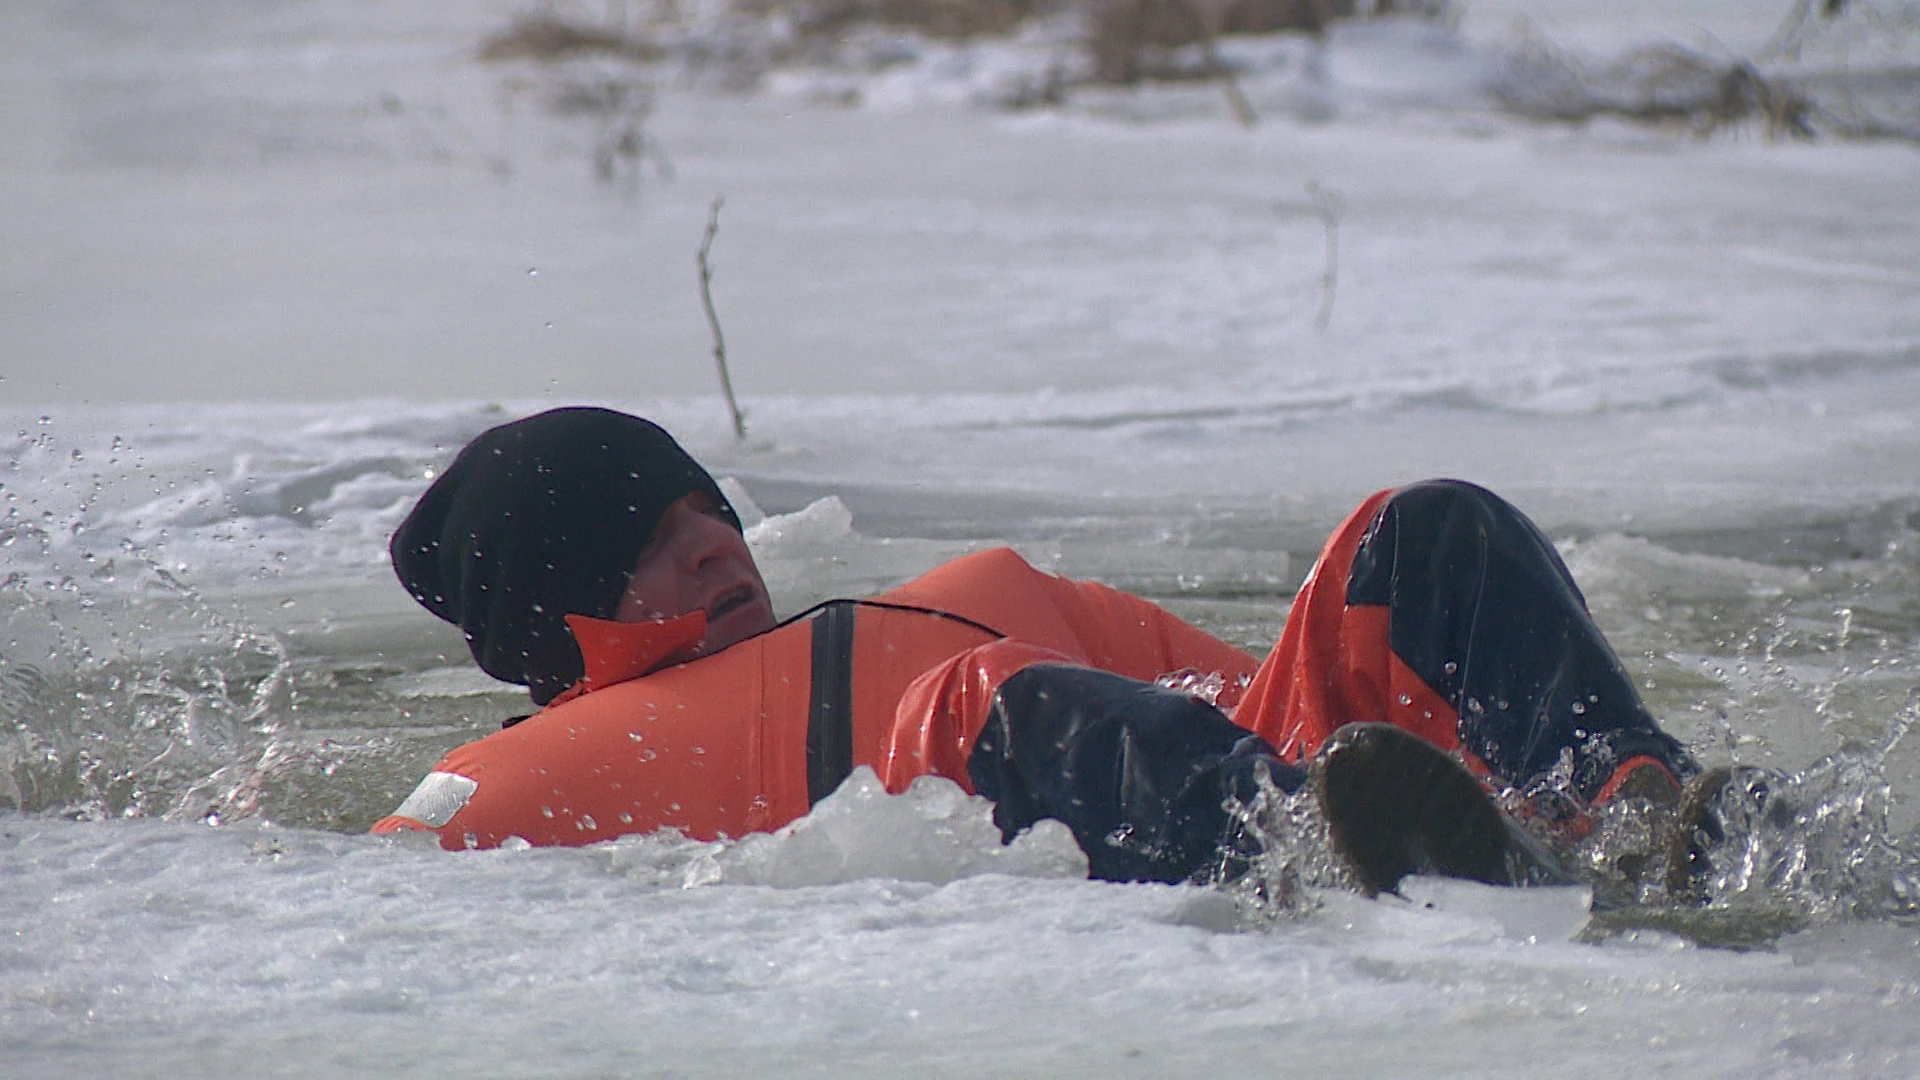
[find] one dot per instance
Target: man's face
(695, 561)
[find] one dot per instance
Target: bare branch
(713, 317)
(1327, 204)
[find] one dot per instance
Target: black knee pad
(1140, 774)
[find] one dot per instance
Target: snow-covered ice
(266, 267)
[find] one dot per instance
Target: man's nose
(710, 540)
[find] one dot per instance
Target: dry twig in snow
(713, 317)
(1327, 204)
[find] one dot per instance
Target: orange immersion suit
(748, 739)
(1436, 607)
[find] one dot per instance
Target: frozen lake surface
(267, 266)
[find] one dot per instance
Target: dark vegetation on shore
(1119, 43)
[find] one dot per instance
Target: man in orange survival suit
(1437, 608)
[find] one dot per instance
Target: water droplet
(533, 271)
(1450, 667)
(546, 811)
(1406, 699)
(587, 823)
(1579, 708)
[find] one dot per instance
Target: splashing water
(1776, 850)
(1772, 850)
(1823, 841)
(1286, 855)
(177, 719)
(1816, 841)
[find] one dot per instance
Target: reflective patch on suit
(437, 799)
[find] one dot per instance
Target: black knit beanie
(536, 520)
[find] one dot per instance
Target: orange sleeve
(1140, 639)
(942, 711)
(1092, 624)
(1046, 619)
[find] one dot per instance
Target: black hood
(538, 519)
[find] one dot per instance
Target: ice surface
(933, 832)
(183, 949)
(268, 267)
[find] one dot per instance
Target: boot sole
(1398, 805)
